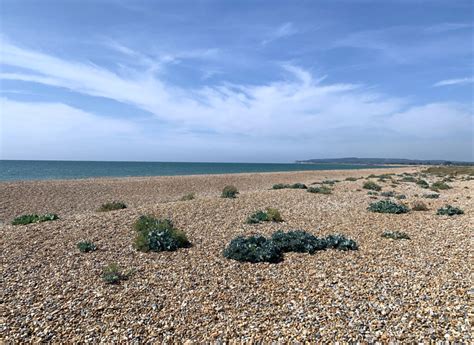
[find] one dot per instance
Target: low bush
(396, 235)
(158, 235)
(229, 192)
(112, 274)
(431, 196)
(187, 197)
(86, 246)
(340, 242)
(372, 193)
(321, 190)
(253, 249)
(388, 194)
(419, 206)
(372, 186)
(449, 210)
(440, 185)
(422, 183)
(291, 186)
(450, 170)
(34, 218)
(270, 215)
(298, 241)
(401, 196)
(408, 179)
(387, 206)
(351, 178)
(112, 206)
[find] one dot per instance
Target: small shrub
(298, 241)
(113, 275)
(321, 190)
(440, 185)
(187, 197)
(158, 235)
(388, 194)
(271, 215)
(372, 193)
(419, 206)
(34, 218)
(280, 186)
(253, 249)
(401, 196)
(449, 210)
(298, 186)
(408, 179)
(274, 215)
(340, 242)
(431, 196)
(112, 206)
(229, 192)
(422, 183)
(396, 235)
(372, 186)
(351, 179)
(387, 206)
(86, 246)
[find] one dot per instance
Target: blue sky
(236, 81)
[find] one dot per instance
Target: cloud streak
(459, 81)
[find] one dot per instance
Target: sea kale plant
(298, 241)
(269, 215)
(112, 274)
(422, 183)
(440, 185)
(112, 206)
(396, 235)
(260, 249)
(387, 206)
(291, 186)
(320, 190)
(389, 194)
(158, 235)
(86, 246)
(372, 186)
(253, 249)
(34, 218)
(431, 196)
(449, 210)
(229, 192)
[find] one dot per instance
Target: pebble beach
(386, 291)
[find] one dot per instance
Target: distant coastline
(11, 170)
(382, 161)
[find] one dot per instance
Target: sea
(20, 170)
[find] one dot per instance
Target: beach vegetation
(440, 185)
(187, 197)
(396, 235)
(253, 249)
(86, 246)
(449, 210)
(320, 190)
(112, 206)
(372, 186)
(229, 192)
(112, 274)
(34, 218)
(158, 235)
(387, 206)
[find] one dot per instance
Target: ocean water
(11, 170)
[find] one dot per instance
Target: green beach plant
(396, 235)
(86, 246)
(372, 186)
(112, 274)
(253, 249)
(449, 210)
(112, 206)
(229, 192)
(320, 190)
(158, 235)
(34, 218)
(269, 215)
(187, 197)
(387, 206)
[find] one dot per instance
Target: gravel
(413, 290)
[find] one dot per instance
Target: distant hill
(377, 161)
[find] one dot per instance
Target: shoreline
(83, 195)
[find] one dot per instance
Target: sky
(236, 81)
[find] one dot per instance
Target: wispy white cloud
(301, 109)
(284, 30)
(458, 81)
